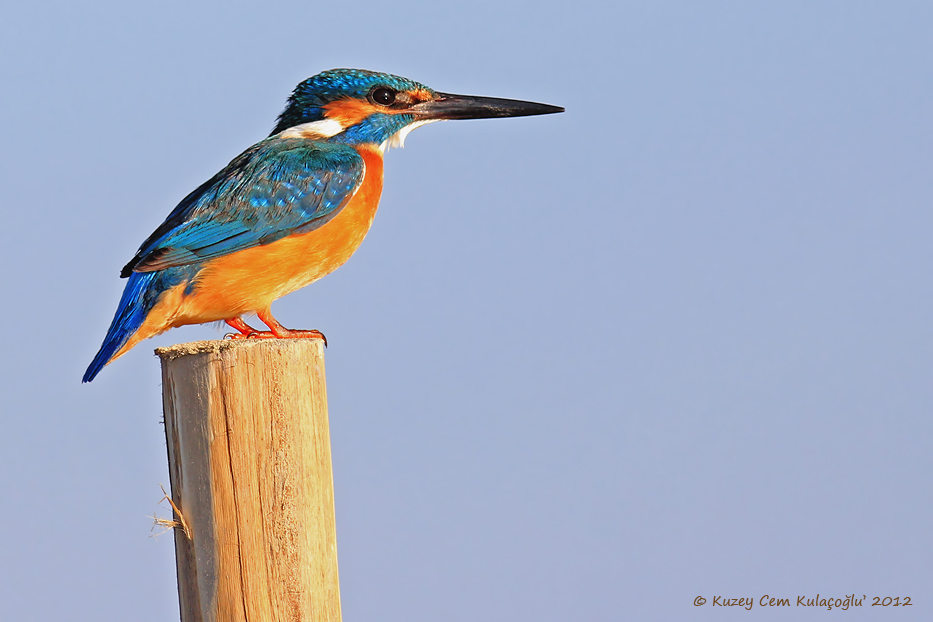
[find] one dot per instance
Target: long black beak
(448, 106)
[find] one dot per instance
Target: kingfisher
(284, 213)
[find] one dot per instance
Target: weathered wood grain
(250, 466)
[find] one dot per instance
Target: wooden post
(250, 466)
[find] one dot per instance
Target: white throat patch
(398, 139)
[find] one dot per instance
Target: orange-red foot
(245, 329)
(286, 334)
(276, 330)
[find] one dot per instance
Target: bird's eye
(383, 96)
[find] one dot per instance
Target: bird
(286, 212)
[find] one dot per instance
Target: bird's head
(364, 107)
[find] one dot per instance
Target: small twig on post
(169, 523)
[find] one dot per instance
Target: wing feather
(276, 188)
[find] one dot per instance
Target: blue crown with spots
(308, 99)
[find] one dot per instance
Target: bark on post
(250, 466)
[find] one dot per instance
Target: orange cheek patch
(348, 112)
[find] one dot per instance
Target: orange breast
(251, 279)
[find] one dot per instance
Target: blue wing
(276, 188)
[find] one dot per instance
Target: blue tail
(141, 293)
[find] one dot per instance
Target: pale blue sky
(676, 341)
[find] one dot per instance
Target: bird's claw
(239, 335)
